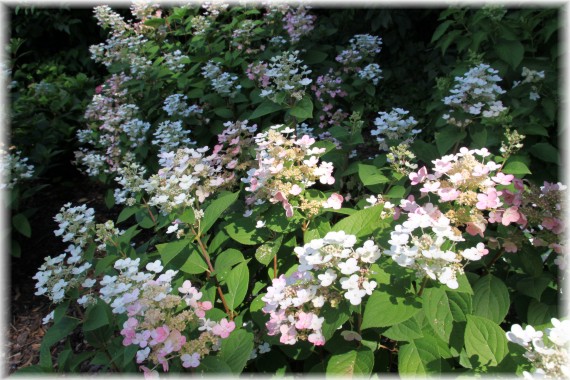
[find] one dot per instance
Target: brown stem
(150, 213)
(211, 267)
(497, 257)
(275, 266)
(424, 283)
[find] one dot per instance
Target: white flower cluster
(123, 289)
(288, 74)
(143, 9)
(426, 243)
(135, 130)
(170, 135)
(93, 163)
(56, 275)
(371, 72)
(394, 126)
(330, 270)
(361, 46)
(131, 179)
(107, 18)
(13, 168)
(175, 61)
(175, 105)
(531, 77)
(123, 49)
(224, 83)
(550, 358)
(185, 175)
(475, 94)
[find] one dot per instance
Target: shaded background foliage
(423, 49)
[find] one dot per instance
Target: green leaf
(109, 199)
(169, 251)
(540, 313)
(440, 30)
(314, 56)
(356, 362)
(334, 318)
(22, 225)
(511, 52)
(267, 251)
(187, 216)
(383, 309)
(96, 316)
(244, 232)
(214, 365)
(224, 113)
(103, 263)
(491, 299)
(236, 349)
(534, 286)
(460, 304)
(370, 175)
(265, 108)
(485, 341)
(57, 332)
(438, 312)
(407, 330)
(420, 357)
(362, 222)
(225, 261)
(126, 213)
(215, 210)
(516, 167)
(195, 263)
(448, 137)
(303, 109)
(155, 22)
(545, 152)
(237, 282)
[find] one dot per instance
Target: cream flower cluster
(330, 270)
(286, 166)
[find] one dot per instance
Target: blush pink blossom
(159, 335)
(224, 328)
(418, 177)
(503, 179)
(448, 194)
(334, 201)
(511, 215)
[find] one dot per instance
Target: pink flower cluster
(473, 184)
(298, 23)
(286, 167)
(330, 270)
(156, 323)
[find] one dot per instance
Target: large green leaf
(491, 299)
(447, 137)
(511, 52)
(237, 282)
(215, 210)
(370, 175)
(22, 225)
(195, 264)
(96, 316)
(421, 357)
(407, 330)
(356, 362)
(303, 109)
(243, 231)
(438, 312)
(236, 349)
(265, 108)
(384, 309)
(485, 341)
(267, 251)
(361, 223)
(169, 251)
